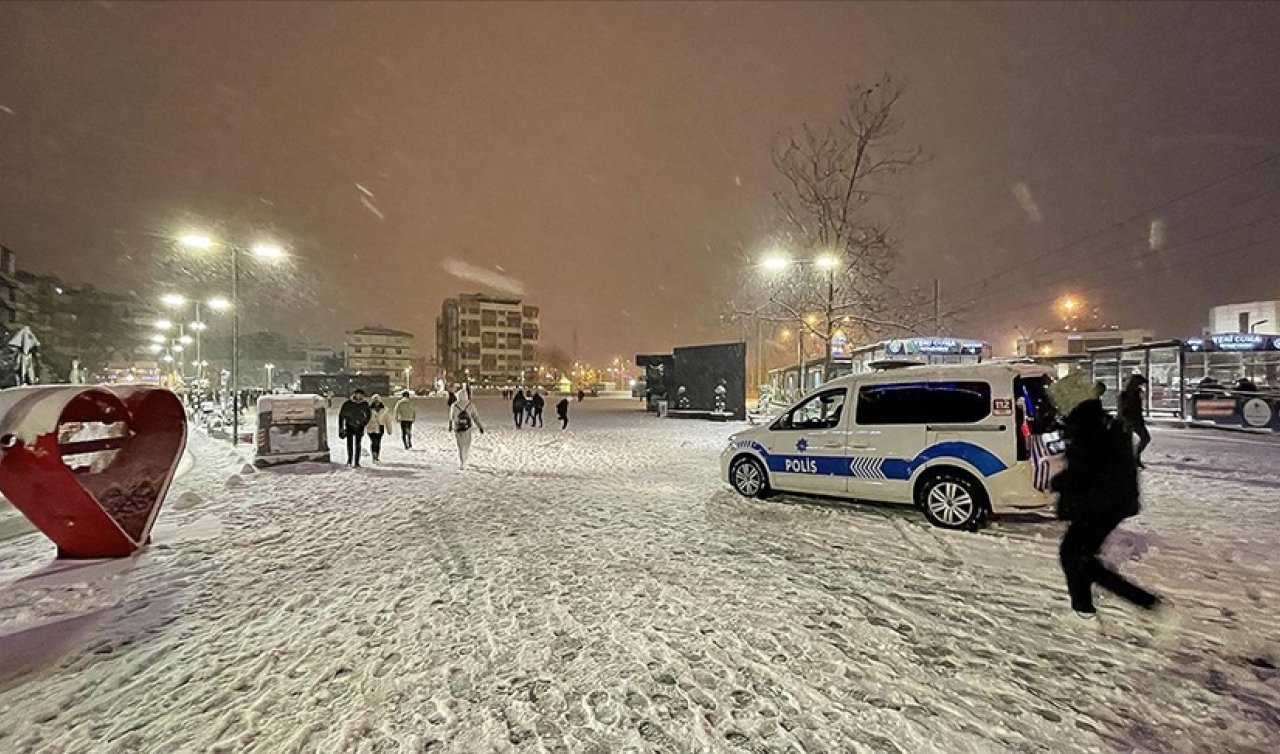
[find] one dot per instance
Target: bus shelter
(1225, 379)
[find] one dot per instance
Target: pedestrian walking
(536, 404)
(562, 412)
(406, 414)
(1131, 406)
(581, 395)
(353, 417)
(1097, 490)
(518, 408)
(379, 425)
(463, 418)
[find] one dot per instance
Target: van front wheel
(749, 478)
(953, 501)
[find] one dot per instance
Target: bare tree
(837, 228)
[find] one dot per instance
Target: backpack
(463, 422)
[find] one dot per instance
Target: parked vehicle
(959, 442)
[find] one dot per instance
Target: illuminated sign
(934, 347)
(1234, 341)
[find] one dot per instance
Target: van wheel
(953, 501)
(748, 478)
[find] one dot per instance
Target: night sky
(614, 159)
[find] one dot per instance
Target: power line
(1162, 251)
(1039, 302)
(1118, 224)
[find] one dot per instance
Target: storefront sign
(1234, 341)
(934, 347)
(1213, 408)
(1256, 412)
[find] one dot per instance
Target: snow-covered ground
(599, 590)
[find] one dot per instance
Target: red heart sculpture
(90, 466)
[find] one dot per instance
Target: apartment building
(487, 339)
(378, 350)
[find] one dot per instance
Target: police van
(957, 441)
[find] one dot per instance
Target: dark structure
(345, 384)
(658, 370)
(700, 369)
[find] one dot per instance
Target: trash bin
(662, 408)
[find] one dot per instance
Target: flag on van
(1042, 451)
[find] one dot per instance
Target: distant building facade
(8, 289)
(380, 351)
(1078, 342)
(488, 339)
(1252, 317)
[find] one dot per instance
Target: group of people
(359, 417)
(1098, 490)
(527, 410)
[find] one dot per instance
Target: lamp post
(271, 368)
(778, 262)
(265, 251)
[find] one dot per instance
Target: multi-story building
(378, 350)
(1251, 317)
(8, 289)
(320, 360)
(1078, 342)
(487, 339)
(105, 331)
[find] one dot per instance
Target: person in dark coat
(562, 412)
(1096, 491)
(536, 404)
(581, 395)
(1131, 413)
(518, 408)
(353, 417)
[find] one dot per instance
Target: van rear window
(924, 403)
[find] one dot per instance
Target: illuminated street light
(155, 348)
(158, 338)
(163, 324)
(198, 326)
(185, 340)
(775, 262)
(173, 300)
(826, 262)
(196, 241)
(262, 250)
(268, 251)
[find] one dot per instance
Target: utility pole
(937, 307)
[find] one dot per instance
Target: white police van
(958, 441)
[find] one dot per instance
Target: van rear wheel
(953, 501)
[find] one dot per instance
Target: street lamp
(271, 368)
(264, 251)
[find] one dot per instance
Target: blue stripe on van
(864, 467)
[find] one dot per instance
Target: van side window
(822, 411)
(924, 403)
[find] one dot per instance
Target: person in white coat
(406, 414)
(463, 419)
(379, 424)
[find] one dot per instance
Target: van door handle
(833, 445)
(858, 447)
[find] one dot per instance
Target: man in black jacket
(1096, 491)
(1131, 412)
(353, 417)
(536, 404)
(518, 407)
